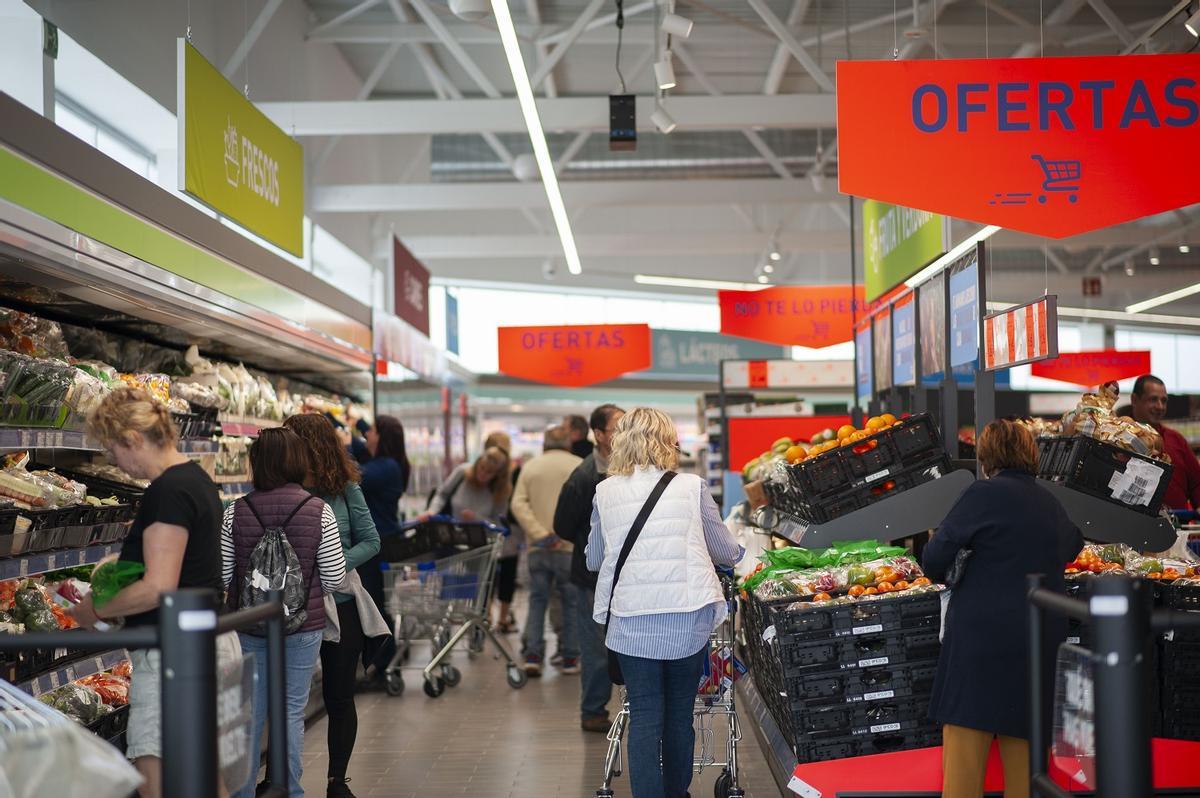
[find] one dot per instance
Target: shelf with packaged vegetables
(16, 438)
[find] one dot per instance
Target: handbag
(614, 664)
(955, 573)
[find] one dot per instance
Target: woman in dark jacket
(1012, 527)
(384, 481)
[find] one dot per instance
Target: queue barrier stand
(1122, 617)
(186, 635)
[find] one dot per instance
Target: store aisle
(483, 738)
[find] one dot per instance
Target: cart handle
(446, 519)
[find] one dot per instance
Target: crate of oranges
(885, 445)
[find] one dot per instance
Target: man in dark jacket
(573, 522)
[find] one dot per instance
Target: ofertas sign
(235, 160)
(411, 282)
(1021, 335)
(575, 355)
(792, 315)
(897, 243)
(1053, 146)
(1094, 368)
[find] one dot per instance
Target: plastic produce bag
(32, 608)
(77, 701)
(111, 577)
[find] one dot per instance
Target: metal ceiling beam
(756, 141)
(602, 22)
(560, 49)
(1113, 21)
(1105, 33)
(397, 117)
(498, 247)
(534, 12)
(364, 92)
(1056, 261)
(252, 33)
(1163, 21)
(342, 18)
(780, 30)
(1063, 13)
(779, 62)
(413, 197)
(571, 151)
(456, 49)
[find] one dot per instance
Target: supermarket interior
(650, 398)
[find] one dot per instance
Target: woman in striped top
(279, 465)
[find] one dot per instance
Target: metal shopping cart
(715, 704)
(437, 582)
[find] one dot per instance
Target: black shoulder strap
(445, 509)
(287, 521)
(631, 538)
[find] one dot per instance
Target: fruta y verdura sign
(1049, 146)
(897, 243)
(235, 160)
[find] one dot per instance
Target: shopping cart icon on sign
(1061, 176)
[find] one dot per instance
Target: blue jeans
(661, 736)
(302, 650)
(551, 569)
(594, 681)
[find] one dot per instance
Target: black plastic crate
(925, 736)
(801, 657)
(862, 685)
(1180, 724)
(1182, 595)
(885, 485)
(1180, 659)
(820, 475)
(875, 717)
(1088, 465)
(890, 614)
(915, 436)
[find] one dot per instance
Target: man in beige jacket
(533, 505)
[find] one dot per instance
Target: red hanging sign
(792, 315)
(1021, 335)
(1049, 146)
(574, 355)
(1090, 369)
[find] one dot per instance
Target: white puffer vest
(669, 568)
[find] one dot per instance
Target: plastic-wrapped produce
(32, 608)
(77, 701)
(30, 335)
(198, 395)
(113, 689)
(86, 392)
(157, 385)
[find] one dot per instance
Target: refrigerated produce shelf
(42, 438)
(76, 670)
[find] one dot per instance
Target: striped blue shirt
(669, 635)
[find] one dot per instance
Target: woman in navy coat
(1013, 527)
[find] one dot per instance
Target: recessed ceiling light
(762, 278)
(775, 255)
(768, 268)
(1184, 248)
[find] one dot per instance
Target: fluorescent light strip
(689, 282)
(1153, 302)
(537, 137)
(954, 254)
(1112, 315)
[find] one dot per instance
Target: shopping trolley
(715, 703)
(1060, 176)
(437, 580)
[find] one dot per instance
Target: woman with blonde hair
(657, 539)
(477, 491)
(176, 535)
(506, 565)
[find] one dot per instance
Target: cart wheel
(435, 688)
(451, 675)
(517, 677)
(395, 684)
(604, 794)
(738, 793)
(724, 782)
(478, 637)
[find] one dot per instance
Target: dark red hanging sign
(1090, 369)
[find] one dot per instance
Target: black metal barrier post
(1119, 613)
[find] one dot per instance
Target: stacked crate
(851, 679)
(1180, 666)
(854, 476)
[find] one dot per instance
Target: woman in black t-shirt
(176, 535)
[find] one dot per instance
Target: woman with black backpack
(280, 536)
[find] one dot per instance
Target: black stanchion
(1120, 611)
(188, 625)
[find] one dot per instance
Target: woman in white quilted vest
(667, 598)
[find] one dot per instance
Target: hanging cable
(1042, 28)
(846, 27)
(620, 33)
(895, 32)
(987, 47)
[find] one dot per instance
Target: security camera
(549, 269)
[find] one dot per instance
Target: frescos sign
(1053, 146)
(235, 160)
(792, 315)
(575, 355)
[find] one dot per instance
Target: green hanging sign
(897, 243)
